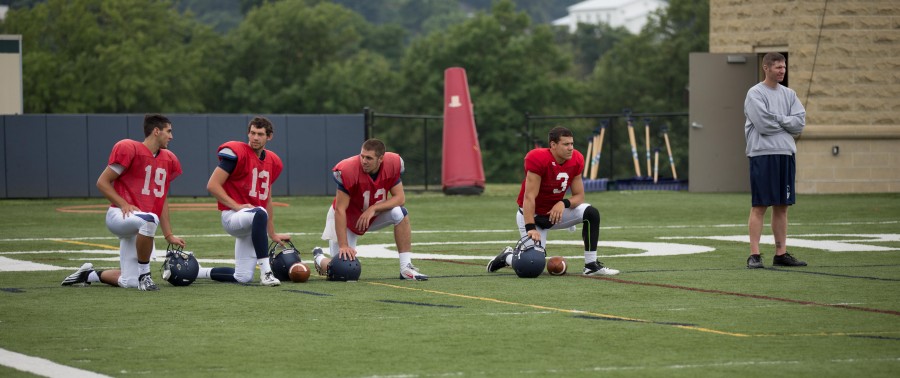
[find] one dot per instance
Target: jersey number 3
(564, 177)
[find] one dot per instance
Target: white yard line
(511, 229)
(42, 367)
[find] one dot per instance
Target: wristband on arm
(566, 203)
(529, 227)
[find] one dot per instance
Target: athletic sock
(204, 272)
(143, 268)
(93, 276)
(590, 256)
(263, 264)
(405, 259)
(509, 259)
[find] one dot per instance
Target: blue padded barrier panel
(26, 156)
(309, 169)
(65, 154)
(344, 135)
(103, 131)
(2, 156)
(189, 136)
(67, 147)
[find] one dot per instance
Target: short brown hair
(557, 132)
(261, 123)
(374, 145)
(154, 121)
(773, 57)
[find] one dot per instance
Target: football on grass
(299, 272)
(556, 266)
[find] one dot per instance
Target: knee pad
(397, 214)
(149, 223)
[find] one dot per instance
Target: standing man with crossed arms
(242, 184)
(136, 182)
(549, 173)
(775, 119)
(362, 204)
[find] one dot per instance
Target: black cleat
(787, 260)
(754, 262)
(499, 261)
(596, 268)
(80, 276)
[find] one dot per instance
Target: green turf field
(699, 313)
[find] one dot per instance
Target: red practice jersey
(555, 178)
(252, 178)
(364, 190)
(145, 180)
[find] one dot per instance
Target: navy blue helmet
(528, 260)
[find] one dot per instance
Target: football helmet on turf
(282, 261)
(528, 260)
(344, 270)
(180, 268)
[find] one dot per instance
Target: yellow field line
(88, 244)
(607, 316)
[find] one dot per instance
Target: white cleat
(268, 279)
(596, 268)
(410, 272)
(145, 283)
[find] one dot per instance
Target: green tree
(95, 56)
(280, 46)
(221, 15)
(346, 86)
(649, 72)
(589, 43)
(512, 67)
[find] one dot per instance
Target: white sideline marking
(827, 245)
(511, 229)
(647, 248)
(42, 367)
(12, 265)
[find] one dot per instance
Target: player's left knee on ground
(243, 277)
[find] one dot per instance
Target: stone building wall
(844, 64)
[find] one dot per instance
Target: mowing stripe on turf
(577, 312)
(42, 367)
(754, 296)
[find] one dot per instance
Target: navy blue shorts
(772, 180)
